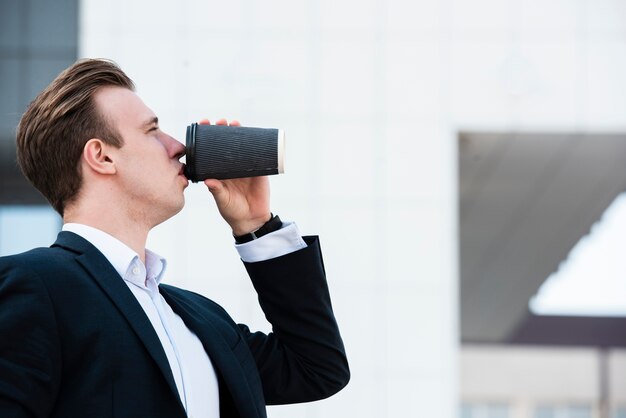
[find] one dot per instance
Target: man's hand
(243, 203)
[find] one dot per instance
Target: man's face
(147, 167)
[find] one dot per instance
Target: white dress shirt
(193, 371)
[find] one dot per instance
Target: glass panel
(497, 411)
(545, 412)
(484, 410)
(10, 110)
(53, 25)
(10, 19)
(466, 411)
(26, 227)
(579, 411)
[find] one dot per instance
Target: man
(86, 328)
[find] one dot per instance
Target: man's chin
(173, 211)
(180, 205)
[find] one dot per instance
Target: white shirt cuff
(275, 244)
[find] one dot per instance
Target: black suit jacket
(74, 341)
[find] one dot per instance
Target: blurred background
(463, 162)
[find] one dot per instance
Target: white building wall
(371, 94)
(370, 167)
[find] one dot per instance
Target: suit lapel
(220, 352)
(103, 273)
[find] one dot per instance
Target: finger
(221, 122)
(204, 122)
(215, 186)
(234, 123)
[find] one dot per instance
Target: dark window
(38, 39)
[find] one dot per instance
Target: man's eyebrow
(152, 121)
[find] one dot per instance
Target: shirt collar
(123, 259)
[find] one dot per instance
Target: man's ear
(96, 155)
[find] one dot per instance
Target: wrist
(249, 226)
(273, 224)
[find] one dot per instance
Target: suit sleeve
(303, 359)
(30, 361)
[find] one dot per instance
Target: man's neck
(131, 233)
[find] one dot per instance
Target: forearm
(304, 358)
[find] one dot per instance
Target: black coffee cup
(228, 152)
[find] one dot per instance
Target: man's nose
(175, 148)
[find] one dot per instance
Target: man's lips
(181, 172)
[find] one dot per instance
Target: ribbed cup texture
(226, 152)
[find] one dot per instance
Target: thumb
(216, 187)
